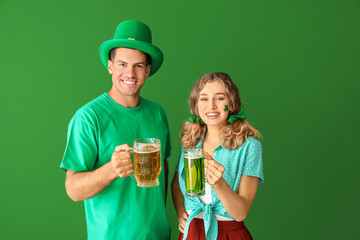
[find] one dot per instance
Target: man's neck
(125, 101)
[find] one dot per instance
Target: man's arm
(84, 185)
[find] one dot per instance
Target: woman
(233, 159)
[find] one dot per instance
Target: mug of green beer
(194, 167)
(147, 163)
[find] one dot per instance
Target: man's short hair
(112, 56)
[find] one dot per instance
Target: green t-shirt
(122, 210)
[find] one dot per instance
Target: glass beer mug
(147, 161)
(194, 167)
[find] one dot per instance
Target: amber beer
(147, 162)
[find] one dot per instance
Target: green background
(296, 64)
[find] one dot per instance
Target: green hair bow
(232, 118)
(193, 118)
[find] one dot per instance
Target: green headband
(193, 118)
(232, 118)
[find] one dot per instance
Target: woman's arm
(178, 200)
(236, 204)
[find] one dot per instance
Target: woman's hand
(182, 222)
(237, 204)
(214, 171)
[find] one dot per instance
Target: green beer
(194, 168)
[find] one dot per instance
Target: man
(97, 159)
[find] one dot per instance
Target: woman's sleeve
(253, 161)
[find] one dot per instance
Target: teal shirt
(245, 160)
(122, 210)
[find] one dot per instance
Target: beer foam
(146, 151)
(193, 155)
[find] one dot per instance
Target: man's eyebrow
(139, 63)
(121, 61)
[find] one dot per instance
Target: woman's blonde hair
(233, 135)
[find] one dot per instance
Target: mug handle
(132, 175)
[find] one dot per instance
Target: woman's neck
(212, 136)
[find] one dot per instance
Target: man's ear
(110, 66)
(148, 68)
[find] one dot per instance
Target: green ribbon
(193, 118)
(232, 118)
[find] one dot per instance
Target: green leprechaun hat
(136, 35)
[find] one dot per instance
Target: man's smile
(129, 82)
